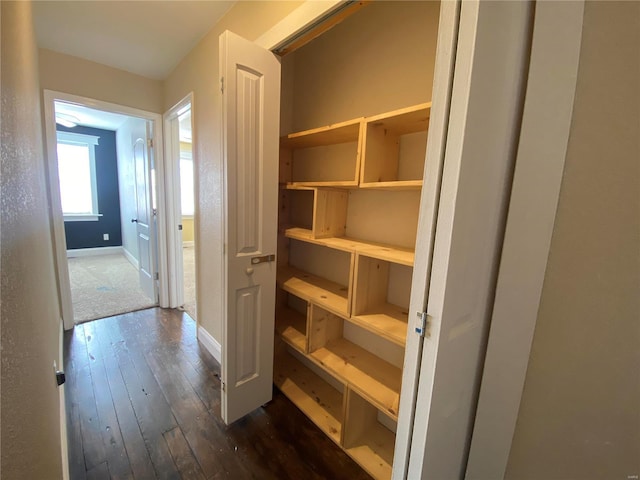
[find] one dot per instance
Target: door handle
(263, 259)
(134, 220)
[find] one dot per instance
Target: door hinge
(150, 142)
(222, 84)
(224, 386)
(421, 323)
(157, 276)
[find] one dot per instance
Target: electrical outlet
(105, 236)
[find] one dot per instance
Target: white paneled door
(251, 117)
(144, 217)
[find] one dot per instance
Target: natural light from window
(186, 186)
(76, 172)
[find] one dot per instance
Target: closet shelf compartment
(373, 378)
(396, 185)
(333, 134)
(389, 253)
(292, 328)
(389, 321)
(327, 294)
(322, 403)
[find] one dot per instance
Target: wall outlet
(105, 236)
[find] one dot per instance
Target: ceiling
(89, 117)
(148, 38)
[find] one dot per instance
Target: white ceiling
(89, 117)
(148, 38)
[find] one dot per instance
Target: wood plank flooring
(143, 402)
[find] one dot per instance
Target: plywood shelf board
(329, 184)
(405, 120)
(374, 451)
(342, 132)
(373, 378)
(389, 253)
(393, 185)
(316, 398)
(292, 328)
(330, 295)
(389, 321)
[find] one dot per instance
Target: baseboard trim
(210, 343)
(132, 260)
(89, 252)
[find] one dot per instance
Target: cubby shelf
(328, 294)
(376, 380)
(389, 321)
(337, 133)
(399, 255)
(322, 403)
(396, 185)
(292, 328)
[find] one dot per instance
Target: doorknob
(134, 220)
(263, 259)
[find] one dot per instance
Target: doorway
(104, 196)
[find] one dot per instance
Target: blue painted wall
(89, 234)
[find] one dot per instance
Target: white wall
(31, 324)
(579, 415)
(126, 135)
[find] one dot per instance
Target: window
(186, 184)
(77, 175)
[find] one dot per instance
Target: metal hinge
(421, 324)
(224, 386)
(150, 142)
(157, 276)
(222, 84)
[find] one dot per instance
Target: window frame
(90, 141)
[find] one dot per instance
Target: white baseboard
(132, 260)
(88, 252)
(187, 244)
(210, 343)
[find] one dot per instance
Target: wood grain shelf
(322, 403)
(373, 378)
(328, 294)
(404, 120)
(396, 185)
(389, 253)
(292, 328)
(342, 132)
(387, 320)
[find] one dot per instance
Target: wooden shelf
(316, 398)
(343, 132)
(396, 185)
(404, 120)
(387, 320)
(389, 253)
(329, 295)
(366, 440)
(292, 328)
(373, 378)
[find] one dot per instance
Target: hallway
(143, 401)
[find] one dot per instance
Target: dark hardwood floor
(143, 402)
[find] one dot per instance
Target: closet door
(251, 118)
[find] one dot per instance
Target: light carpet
(103, 286)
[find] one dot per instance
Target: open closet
(355, 107)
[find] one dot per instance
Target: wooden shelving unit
(354, 333)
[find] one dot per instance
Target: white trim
(536, 188)
(472, 209)
(64, 440)
(173, 198)
(81, 217)
(57, 220)
(210, 344)
(92, 252)
(303, 16)
(132, 260)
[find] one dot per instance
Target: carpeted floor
(104, 285)
(107, 285)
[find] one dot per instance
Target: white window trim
(91, 141)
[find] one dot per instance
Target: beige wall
(187, 229)
(30, 410)
(68, 74)
(371, 63)
(580, 411)
(198, 73)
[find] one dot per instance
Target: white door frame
(173, 205)
(540, 209)
(57, 219)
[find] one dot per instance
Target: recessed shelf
(328, 294)
(316, 398)
(389, 321)
(292, 327)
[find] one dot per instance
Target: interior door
(144, 217)
(251, 117)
